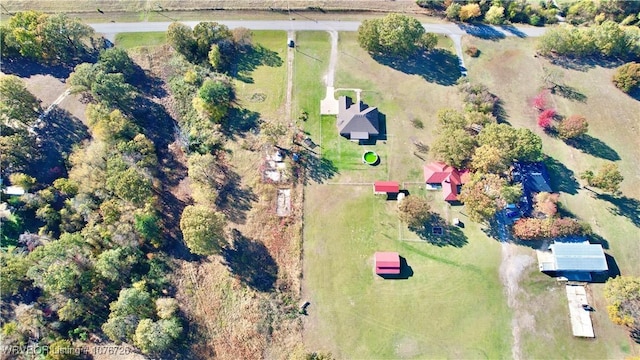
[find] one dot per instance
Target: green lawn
(135, 39)
(264, 89)
(452, 306)
(512, 72)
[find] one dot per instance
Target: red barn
(387, 263)
(385, 187)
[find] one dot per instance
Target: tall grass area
(510, 70)
(452, 306)
(137, 39)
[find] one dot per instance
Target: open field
(453, 289)
(131, 40)
(264, 89)
(451, 306)
(511, 71)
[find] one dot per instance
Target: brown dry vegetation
(228, 318)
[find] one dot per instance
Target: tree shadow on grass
(24, 68)
(251, 59)
(316, 168)
(593, 146)
(624, 206)
(405, 271)
(240, 121)
(438, 66)
(569, 92)
(514, 30)
(562, 178)
(146, 83)
(251, 262)
(60, 131)
(234, 199)
(482, 31)
(584, 63)
(450, 235)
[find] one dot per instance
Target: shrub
(472, 51)
(540, 101)
(545, 118)
(627, 77)
(417, 123)
(573, 126)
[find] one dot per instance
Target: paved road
(485, 31)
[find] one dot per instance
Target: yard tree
(180, 36)
(453, 11)
(477, 97)
(469, 12)
(22, 34)
(112, 90)
(368, 36)
(395, 34)
(17, 149)
(450, 119)
(116, 264)
(157, 336)
(214, 99)
(428, 41)
(454, 147)
(495, 15)
(116, 60)
(608, 178)
(18, 107)
(206, 177)
(489, 159)
(207, 33)
(203, 229)
(82, 77)
(109, 125)
(14, 271)
(482, 196)
(166, 307)
(64, 38)
(61, 266)
(214, 57)
(130, 185)
(627, 77)
(546, 203)
(131, 306)
(147, 224)
(623, 298)
(479, 118)
(23, 180)
(528, 146)
(414, 211)
(510, 194)
(531, 228)
(572, 127)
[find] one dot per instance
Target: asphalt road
(109, 30)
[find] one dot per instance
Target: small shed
(387, 263)
(14, 190)
(386, 187)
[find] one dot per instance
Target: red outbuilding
(386, 187)
(387, 263)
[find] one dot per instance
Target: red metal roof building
(387, 263)
(383, 187)
(438, 174)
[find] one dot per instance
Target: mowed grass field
(453, 305)
(136, 39)
(512, 72)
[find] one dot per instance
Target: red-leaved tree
(545, 118)
(540, 101)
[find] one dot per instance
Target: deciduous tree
(395, 35)
(414, 211)
(627, 77)
(495, 15)
(489, 159)
(454, 147)
(157, 336)
(572, 127)
(623, 298)
(18, 107)
(202, 229)
(23, 180)
(608, 178)
(469, 12)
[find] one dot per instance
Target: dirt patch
(511, 269)
(407, 348)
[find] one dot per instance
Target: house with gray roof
(357, 121)
(573, 260)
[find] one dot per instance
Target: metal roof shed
(579, 257)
